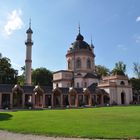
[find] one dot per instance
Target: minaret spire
(79, 27)
(92, 46)
(30, 23)
(28, 61)
(79, 36)
(91, 40)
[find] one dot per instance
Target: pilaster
(61, 100)
(11, 100)
(44, 100)
(52, 100)
(23, 100)
(0, 100)
(33, 99)
(77, 103)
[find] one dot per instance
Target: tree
(136, 88)
(120, 68)
(8, 75)
(135, 83)
(102, 70)
(42, 76)
(21, 78)
(136, 69)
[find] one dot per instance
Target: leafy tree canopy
(136, 69)
(42, 76)
(119, 69)
(8, 75)
(102, 70)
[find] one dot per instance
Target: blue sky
(113, 24)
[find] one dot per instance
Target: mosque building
(77, 86)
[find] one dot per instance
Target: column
(61, 100)
(52, 100)
(69, 99)
(102, 103)
(90, 100)
(23, 100)
(0, 100)
(44, 100)
(84, 99)
(76, 100)
(11, 100)
(33, 99)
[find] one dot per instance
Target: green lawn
(104, 122)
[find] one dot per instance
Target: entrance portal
(5, 100)
(57, 99)
(122, 98)
(17, 99)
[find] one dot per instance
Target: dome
(80, 43)
(79, 37)
(29, 30)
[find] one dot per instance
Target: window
(77, 85)
(78, 63)
(122, 83)
(57, 85)
(85, 84)
(69, 64)
(88, 63)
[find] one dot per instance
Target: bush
(114, 103)
(29, 105)
(6, 105)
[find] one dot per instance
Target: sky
(113, 24)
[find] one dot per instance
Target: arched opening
(28, 100)
(69, 64)
(48, 100)
(57, 98)
(106, 99)
(73, 99)
(122, 83)
(87, 99)
(88, 63)
(17, 98)
(99, 99)
(65, 101)
(81, 102)
(5, 100)
(122, 98)
(77, 84)
(78, 63)
(38, 91)
(38, 99)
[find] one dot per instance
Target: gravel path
(4, 135)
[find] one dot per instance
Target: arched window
(88, 63)
(77, 85)
(78, 63)
(85, 84)
(69, 64)
(122, 83)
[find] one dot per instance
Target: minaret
(92, 47)
(28, 61)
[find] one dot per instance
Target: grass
(104, 122)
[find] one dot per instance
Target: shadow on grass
(5, 116)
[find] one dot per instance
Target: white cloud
(138, 39)
(14, 22)
(138, 19)
(122, 47)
